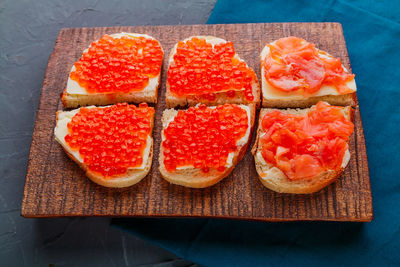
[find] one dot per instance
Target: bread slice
(74, 95)
(131, 177)
(195, 178)
(274, 98)
(173, 100)
(274, 179)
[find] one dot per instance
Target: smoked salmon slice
(302, 146)
(294, 64)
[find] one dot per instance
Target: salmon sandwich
(302, 150)
(294, 74)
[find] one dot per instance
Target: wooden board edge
(369, 206)
(24, 204)
(65, 29)
(368, 218)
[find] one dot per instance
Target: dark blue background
(372, 32)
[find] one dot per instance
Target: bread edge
(136, 97)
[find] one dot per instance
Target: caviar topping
(202, 69)
(294, 64)
(303, 146)
(112, 139)
(203, 137)
(118, 65)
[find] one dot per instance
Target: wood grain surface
(55, 186)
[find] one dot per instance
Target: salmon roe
(112, 139)
(203, 137)
(303, 146)
(201, 69)
(118, 65)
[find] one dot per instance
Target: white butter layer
(74, 88)
(241, 142)
(61, 130)
(272, 93)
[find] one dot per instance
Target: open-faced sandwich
(201, 145)
(294, 74)
(206, 69)
(122, 67)
(302, 150)
(112, 144)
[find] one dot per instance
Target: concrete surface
(28, 30)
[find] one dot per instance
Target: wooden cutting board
(55, 186)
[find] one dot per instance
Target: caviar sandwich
(206, 69)
(112, 144)
(201, 145)
(122, 67)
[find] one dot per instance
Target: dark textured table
(28, 30)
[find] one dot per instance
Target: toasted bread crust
(195, 178)
(273, 178)
(335, 100)
(131, 177)
(74, 101)
(220, 97)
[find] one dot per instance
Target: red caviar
(201, 69)
(302, 146)
(294, 64)
(118, 65)
(203, 137)
(110, 139)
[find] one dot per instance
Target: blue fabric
(372, 32)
